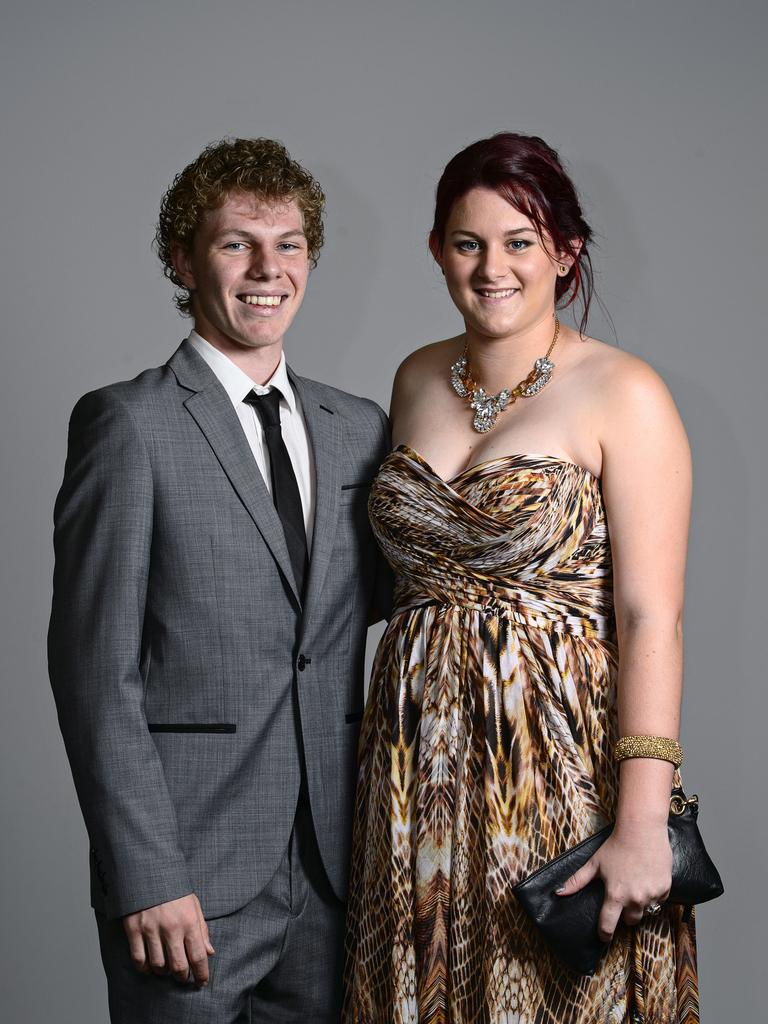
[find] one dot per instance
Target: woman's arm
(647, 494)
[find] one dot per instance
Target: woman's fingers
(579, 879)
(633, 914)
(623, 890)
(610, 913)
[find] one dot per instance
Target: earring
(563, 268)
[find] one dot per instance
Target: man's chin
(254, 344)
(261, 334)
(240, 340)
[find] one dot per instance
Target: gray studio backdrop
(657, 108)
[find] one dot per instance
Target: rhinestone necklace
(487, 407)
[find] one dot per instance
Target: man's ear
(182, 264)
(436, 249)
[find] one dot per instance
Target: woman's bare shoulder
(628, 400)
(612, 372)
(429, 356)
(425, 363)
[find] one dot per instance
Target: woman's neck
(498, 363)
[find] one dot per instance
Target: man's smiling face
(247, 270)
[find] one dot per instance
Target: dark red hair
(528, 173)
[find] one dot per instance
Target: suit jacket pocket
(191, 727)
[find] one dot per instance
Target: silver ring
(653, 909)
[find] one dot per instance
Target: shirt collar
(235, 381)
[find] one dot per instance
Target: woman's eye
(518, 244)
(468, 245)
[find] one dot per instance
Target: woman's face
(498, 272)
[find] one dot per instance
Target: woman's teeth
(505, 294)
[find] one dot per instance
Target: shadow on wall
(338, 299)
(723, 710)
(718, 688)
(724, 521)
(612, 219)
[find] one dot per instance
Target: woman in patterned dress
(539, 546)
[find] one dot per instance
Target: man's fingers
(198, 958)
(579, 879)
(156, 953)
(170, 937)
(138, 951)
(204, 932)
(176, 958)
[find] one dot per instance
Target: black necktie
(285, 490)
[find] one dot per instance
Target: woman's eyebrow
(513, 231)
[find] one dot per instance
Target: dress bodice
(526, 533)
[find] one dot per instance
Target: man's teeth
(262, 300)
(498, 295)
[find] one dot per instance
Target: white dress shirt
(238, 384)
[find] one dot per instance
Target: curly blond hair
(262, 167)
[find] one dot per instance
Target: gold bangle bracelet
(658, 747)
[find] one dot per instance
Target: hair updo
(528, 173)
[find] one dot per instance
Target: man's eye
(288, 246)
(235, 246)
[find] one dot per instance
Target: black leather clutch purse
(568, 924)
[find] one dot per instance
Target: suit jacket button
(302, 663)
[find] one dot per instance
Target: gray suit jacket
(186, 672)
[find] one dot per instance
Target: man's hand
(170, 938)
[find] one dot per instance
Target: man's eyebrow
(514, 231)
(242, 233)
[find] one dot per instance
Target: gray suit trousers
(278, 958)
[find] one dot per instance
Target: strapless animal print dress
(486, 750)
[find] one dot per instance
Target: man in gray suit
(215, 575)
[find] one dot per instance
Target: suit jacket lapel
(210, 407)
(325, 436)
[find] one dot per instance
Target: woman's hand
(635, 864)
